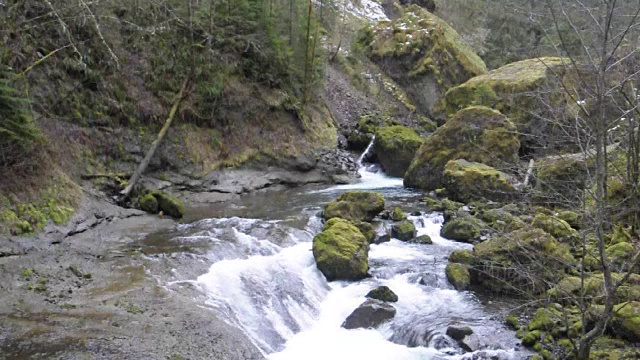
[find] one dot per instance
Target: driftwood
(154, 146)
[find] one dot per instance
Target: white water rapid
(264, 280)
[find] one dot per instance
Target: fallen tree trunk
(154, 146)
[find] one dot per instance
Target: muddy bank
(88, 290)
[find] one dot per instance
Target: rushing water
(264, 279)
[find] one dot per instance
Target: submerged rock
(395, 147)
(404, 230)
(370, 314)
(422, 239)
(476, 134)
(355, 206)
(341, 251)
(382, 293)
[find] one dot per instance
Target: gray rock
(459, 332)
(370, 314)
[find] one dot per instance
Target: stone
(355, 206)
(464, 229)
(395, 147)
(169, 205)
(477, 134)
(458, 275)
(555, 226)
(382, 239)
(461, 257)
(382, 293)
(369, 315)
(404, 230)
(398, 215)
(466, 181)
(422, 239)
(341, 251)
(458, 332)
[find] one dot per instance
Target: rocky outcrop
(422, 53)
(466, 181)
(476, 134)
(355, 206)
(341, 251)
(520, 90)
(370, 314)
(395, 147)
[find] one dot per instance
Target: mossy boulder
(527, 259)
(592, 287)
(361, 136)
(572, 218)
(422, 53)
(422, 239)
(355, 206)
(395, 147)
(626, 321)
(555, 226)
(476, 134)
(169, 205)
(458, 275)
(341, 251)
(465, 229)
(461, 257)
(382, 293)
(367, 230)
(522, 91)
(398, 215)
(404, 230)
(496, 218)
(562, 175)
(148, 203)
(466, 181)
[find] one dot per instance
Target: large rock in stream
(370, 314)
(355, 206)
(476, 134)
(395, 147)
(341, 251)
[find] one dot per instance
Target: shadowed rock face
(371, 314)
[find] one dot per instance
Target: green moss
(466, 181)
(458, 275)
(531, 338)
(395, 147)
(501, 261)
(513, 322)
(560, 174)
(496, 218)
(355, 206)
(545, 319)
(169, 205)
(148, 203)
(382, 293)
(423, 49)
(341, 251)
(476, 134)
(466, 229)
(461, 257)
(27, 273)
(404, 230)
(398, 215)
(367, 230)
(422, 239)
(555, 226)
(627, 320)
(572, 218)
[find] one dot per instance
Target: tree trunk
(154, 146)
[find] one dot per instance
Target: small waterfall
(364, 154)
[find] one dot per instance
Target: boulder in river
(370, 314)
(466, 181)
(382, 293)
(464, 229)
(355, 206)
(341, 251)
(395, 147)
(404, 230)
(458, 275)
(476, 134)
(422, 239)
(458, 332)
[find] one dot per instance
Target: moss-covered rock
(461, 257)
(422, 239)
(465, 229)
(592, 287)
(367, 230)
(527, 260)
(341, 251)
(148, 203)
(404, 230)
(571, 217)
(627, 320)
(169, 205)
(522, 91)
(422, 53)
(355, 206)
(395, 147)
(466, 181)
(562, 175)
(398, 215)
(382, 293)
(476, 134)
(496, 218)
(555, 226)
(458, 275)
